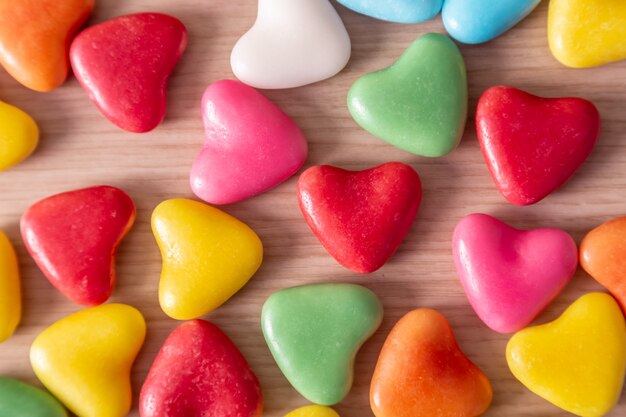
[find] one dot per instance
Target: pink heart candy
(250, 145)
(511, 275)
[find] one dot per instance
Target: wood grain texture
(80, 148)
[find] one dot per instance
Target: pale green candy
(419, 103)
(314, 333)
(18, 399)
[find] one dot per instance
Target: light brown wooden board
(80, 148)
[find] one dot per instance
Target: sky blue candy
(478, 21)
(400, 11)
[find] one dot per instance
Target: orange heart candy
(421, 372)
(603, 256)
(35, 36)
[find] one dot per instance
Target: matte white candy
(292, 43)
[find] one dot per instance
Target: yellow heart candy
(10, 296)
(578, 361)
(208, 256)
(313, 411)
(586, 33)
(18, 135)
(85, 359)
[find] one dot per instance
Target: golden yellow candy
(85, 359)
(578, 361)
(18, 135)
(208, 256)
(10, 295)
(313, 411)
(586, 33)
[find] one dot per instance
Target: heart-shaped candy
(586, 33)
(422, 372)
(200, 372)
(35, 36)
(250, 145)
(603, 256)
(208, 256)
(313, 411)
(532, 145)
(511, 275)
(124, 64)
(360, 216)
(419, 103)
(73, 238)
(576, 362)
(19, 135)
(292, 43)
(18, 399)
(400, 11)
(479, 21)
(10, 293)
(85, 359)
(314, 333)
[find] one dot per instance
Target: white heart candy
(292, 43)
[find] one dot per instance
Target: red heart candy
(124, 65)
(532, 145)
(73, 238)
(360, 217)
(200, 372)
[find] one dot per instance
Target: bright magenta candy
(124, 64)
(200, 372)
(532, 145)
(73, 238)
(360, 217)
(511, 275)
(250, 145)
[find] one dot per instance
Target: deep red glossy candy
(73, 238)
(360, 216)
(532, 145)
(124, 64)
(200, 372)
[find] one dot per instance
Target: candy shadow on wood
(184, 93)
(371, 38)
(155, 337)
(37, 293)
(316, 120)
(366, 35)
(433, 200)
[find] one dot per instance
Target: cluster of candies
(418, 104)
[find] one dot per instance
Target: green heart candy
(314, 333)
(419, 103)
(18, 399)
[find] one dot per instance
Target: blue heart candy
(478, 21)
(400, 11)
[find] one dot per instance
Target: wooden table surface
(80, 148)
